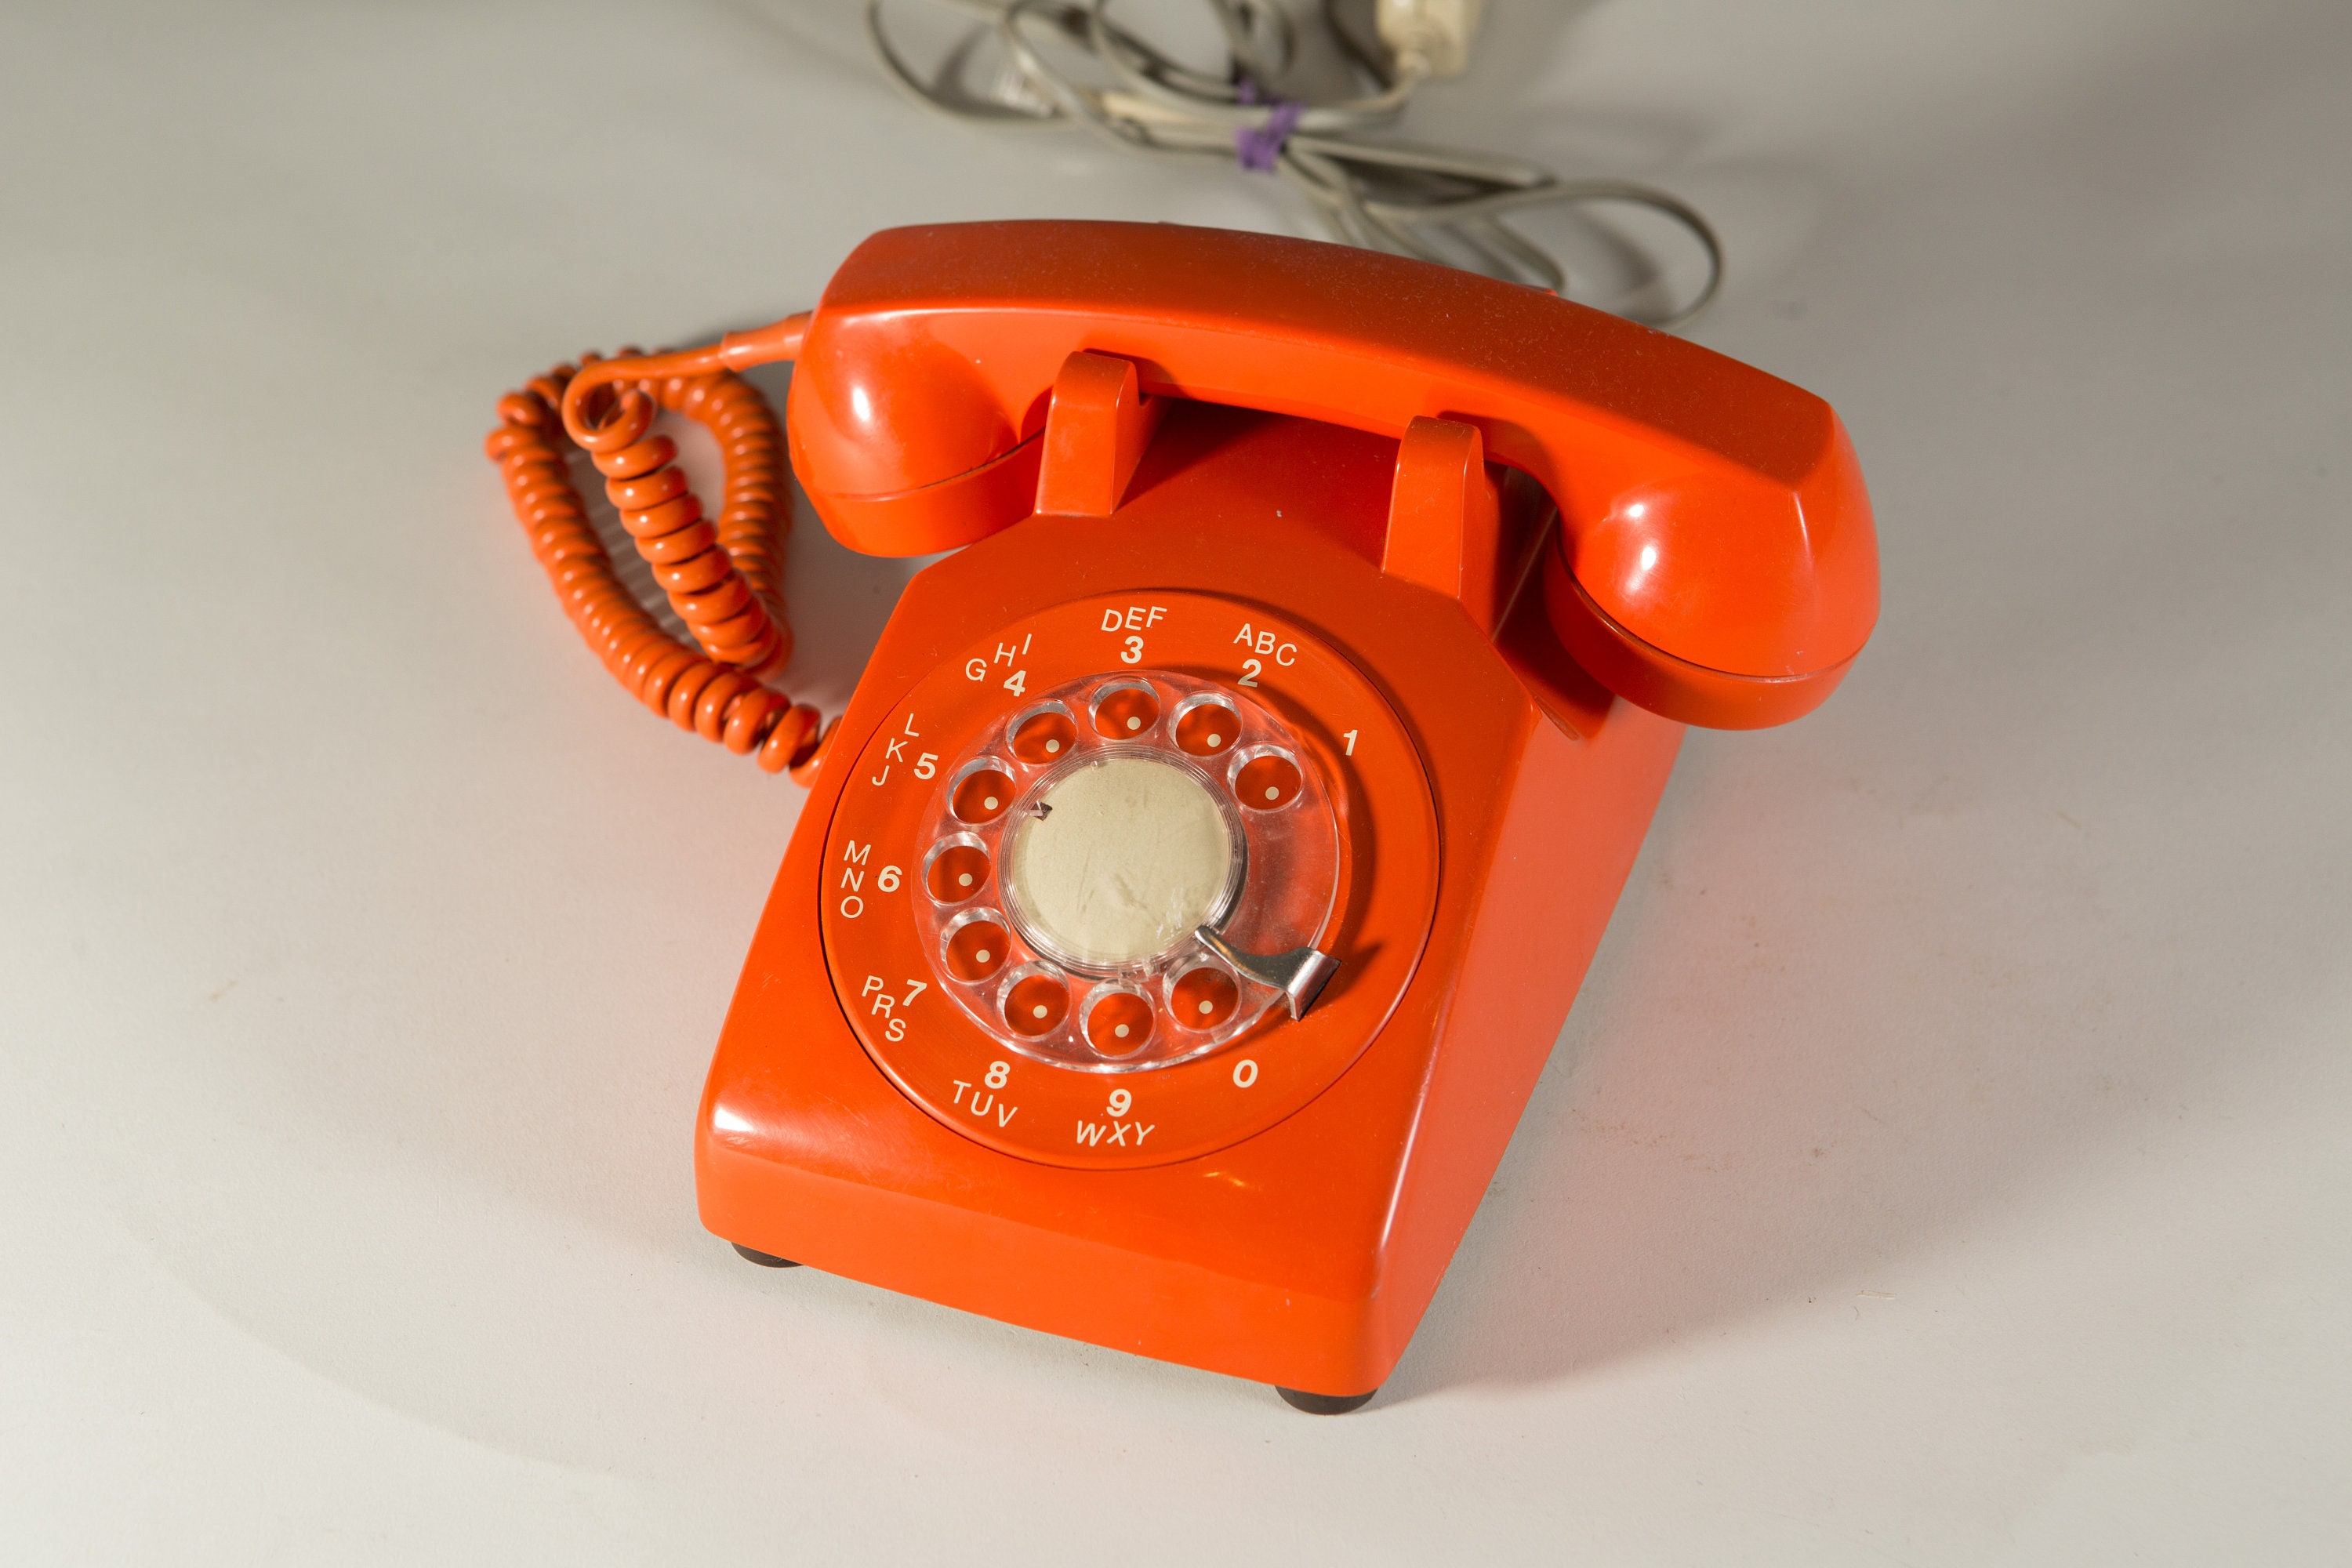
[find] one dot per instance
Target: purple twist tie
(1260, 147)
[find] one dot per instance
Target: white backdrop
(1945, 1162)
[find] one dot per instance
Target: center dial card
(1024, 872)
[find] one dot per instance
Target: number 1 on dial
(1350, 738)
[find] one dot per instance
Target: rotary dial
(1085, 881)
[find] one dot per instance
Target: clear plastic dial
(1075, 848)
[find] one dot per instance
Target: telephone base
(1300, 1251)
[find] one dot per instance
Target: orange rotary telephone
(1190, 896)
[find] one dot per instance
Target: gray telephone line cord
(1404, 197)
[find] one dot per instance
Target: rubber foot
(1324, 1403)
(764, 1259)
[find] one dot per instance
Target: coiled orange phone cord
(725, 579)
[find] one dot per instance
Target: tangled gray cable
(1398, 196)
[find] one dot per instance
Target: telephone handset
(1191, 891)
(1718, 561)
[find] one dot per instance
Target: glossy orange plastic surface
(1095, 430)
(1295, 1241)
(1713, 516)
(724, 580)
(1457, 560)
(1442, 519)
